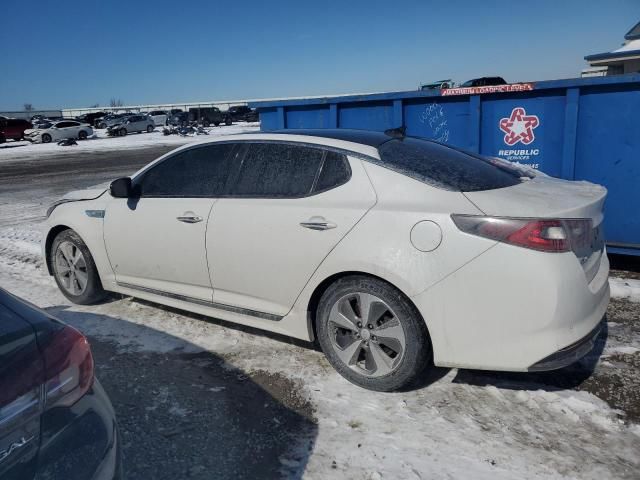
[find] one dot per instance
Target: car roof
(364, 137)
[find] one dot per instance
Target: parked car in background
(56, 420)
(173, 111)
(242, 113)
(159, 117)
(131, 124)
(437, 85)
(389, 250)
(111, 119)
(179, 119)
(60, 130)
(484, 82)
(207, 116)
(90, 117)
(13, 128)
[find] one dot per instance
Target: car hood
(86, 194)
(32, 130)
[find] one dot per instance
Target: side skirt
(219, 306)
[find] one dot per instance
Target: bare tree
(28, 107)
(115, 102)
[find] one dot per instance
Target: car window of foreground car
(443, 167)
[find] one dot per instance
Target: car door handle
(318, 223)
(189, 218)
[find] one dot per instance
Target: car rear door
(21, 374)
(157, 242)
(289, 206)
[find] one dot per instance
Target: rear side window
(197, 172)
(335, 171)
(444, 167)
(278, 171)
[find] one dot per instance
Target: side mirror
(121, 188)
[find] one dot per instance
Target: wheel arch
(322, 287)
(51, 235)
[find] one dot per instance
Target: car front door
(288, 207)
(156, 241)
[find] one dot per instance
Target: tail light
(545, 235)
(60, 377)
(68, 368)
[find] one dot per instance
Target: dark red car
(13, 128)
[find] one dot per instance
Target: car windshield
(444, 167)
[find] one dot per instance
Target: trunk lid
(547, 197)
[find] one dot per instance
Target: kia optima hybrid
(388, 250)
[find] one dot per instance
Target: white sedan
(393, 252)
(60, 130)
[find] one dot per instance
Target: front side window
(197, 172)
(445, 167)
(273, 170)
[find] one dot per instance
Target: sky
(67, 53)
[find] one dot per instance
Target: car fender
(83, 217)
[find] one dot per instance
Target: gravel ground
(191, 415)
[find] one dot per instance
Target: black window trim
(235, 170)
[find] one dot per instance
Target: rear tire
(102, 125)
(122, 132)
(149, 129)
(82, 135)
(206, 123)
(372, 334)
(2, 139)
(227, 121)
(74, 270)
(46, 138)
(217, 124)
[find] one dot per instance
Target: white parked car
(388, 250)
(57, 131)
(159, 117)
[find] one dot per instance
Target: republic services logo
(519, 127)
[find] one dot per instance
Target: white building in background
(625, 59)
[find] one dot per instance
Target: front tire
(74, 270)
(46, 138)
(372, 334)
(82, 135)
(122, 132)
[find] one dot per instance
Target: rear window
(445, 167)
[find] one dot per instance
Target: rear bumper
(512, 309)
(568, 355)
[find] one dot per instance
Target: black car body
(484, 82)
(90, 118)
(179, 119)
(242, 113)
(207, 116)
(56, 421)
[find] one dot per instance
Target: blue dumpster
(577, 129)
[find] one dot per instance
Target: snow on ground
(626, 288)
(101, 141)
(448, 429)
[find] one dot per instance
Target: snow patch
(626, 288)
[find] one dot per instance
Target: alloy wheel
(71, 268)
(366, 334)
